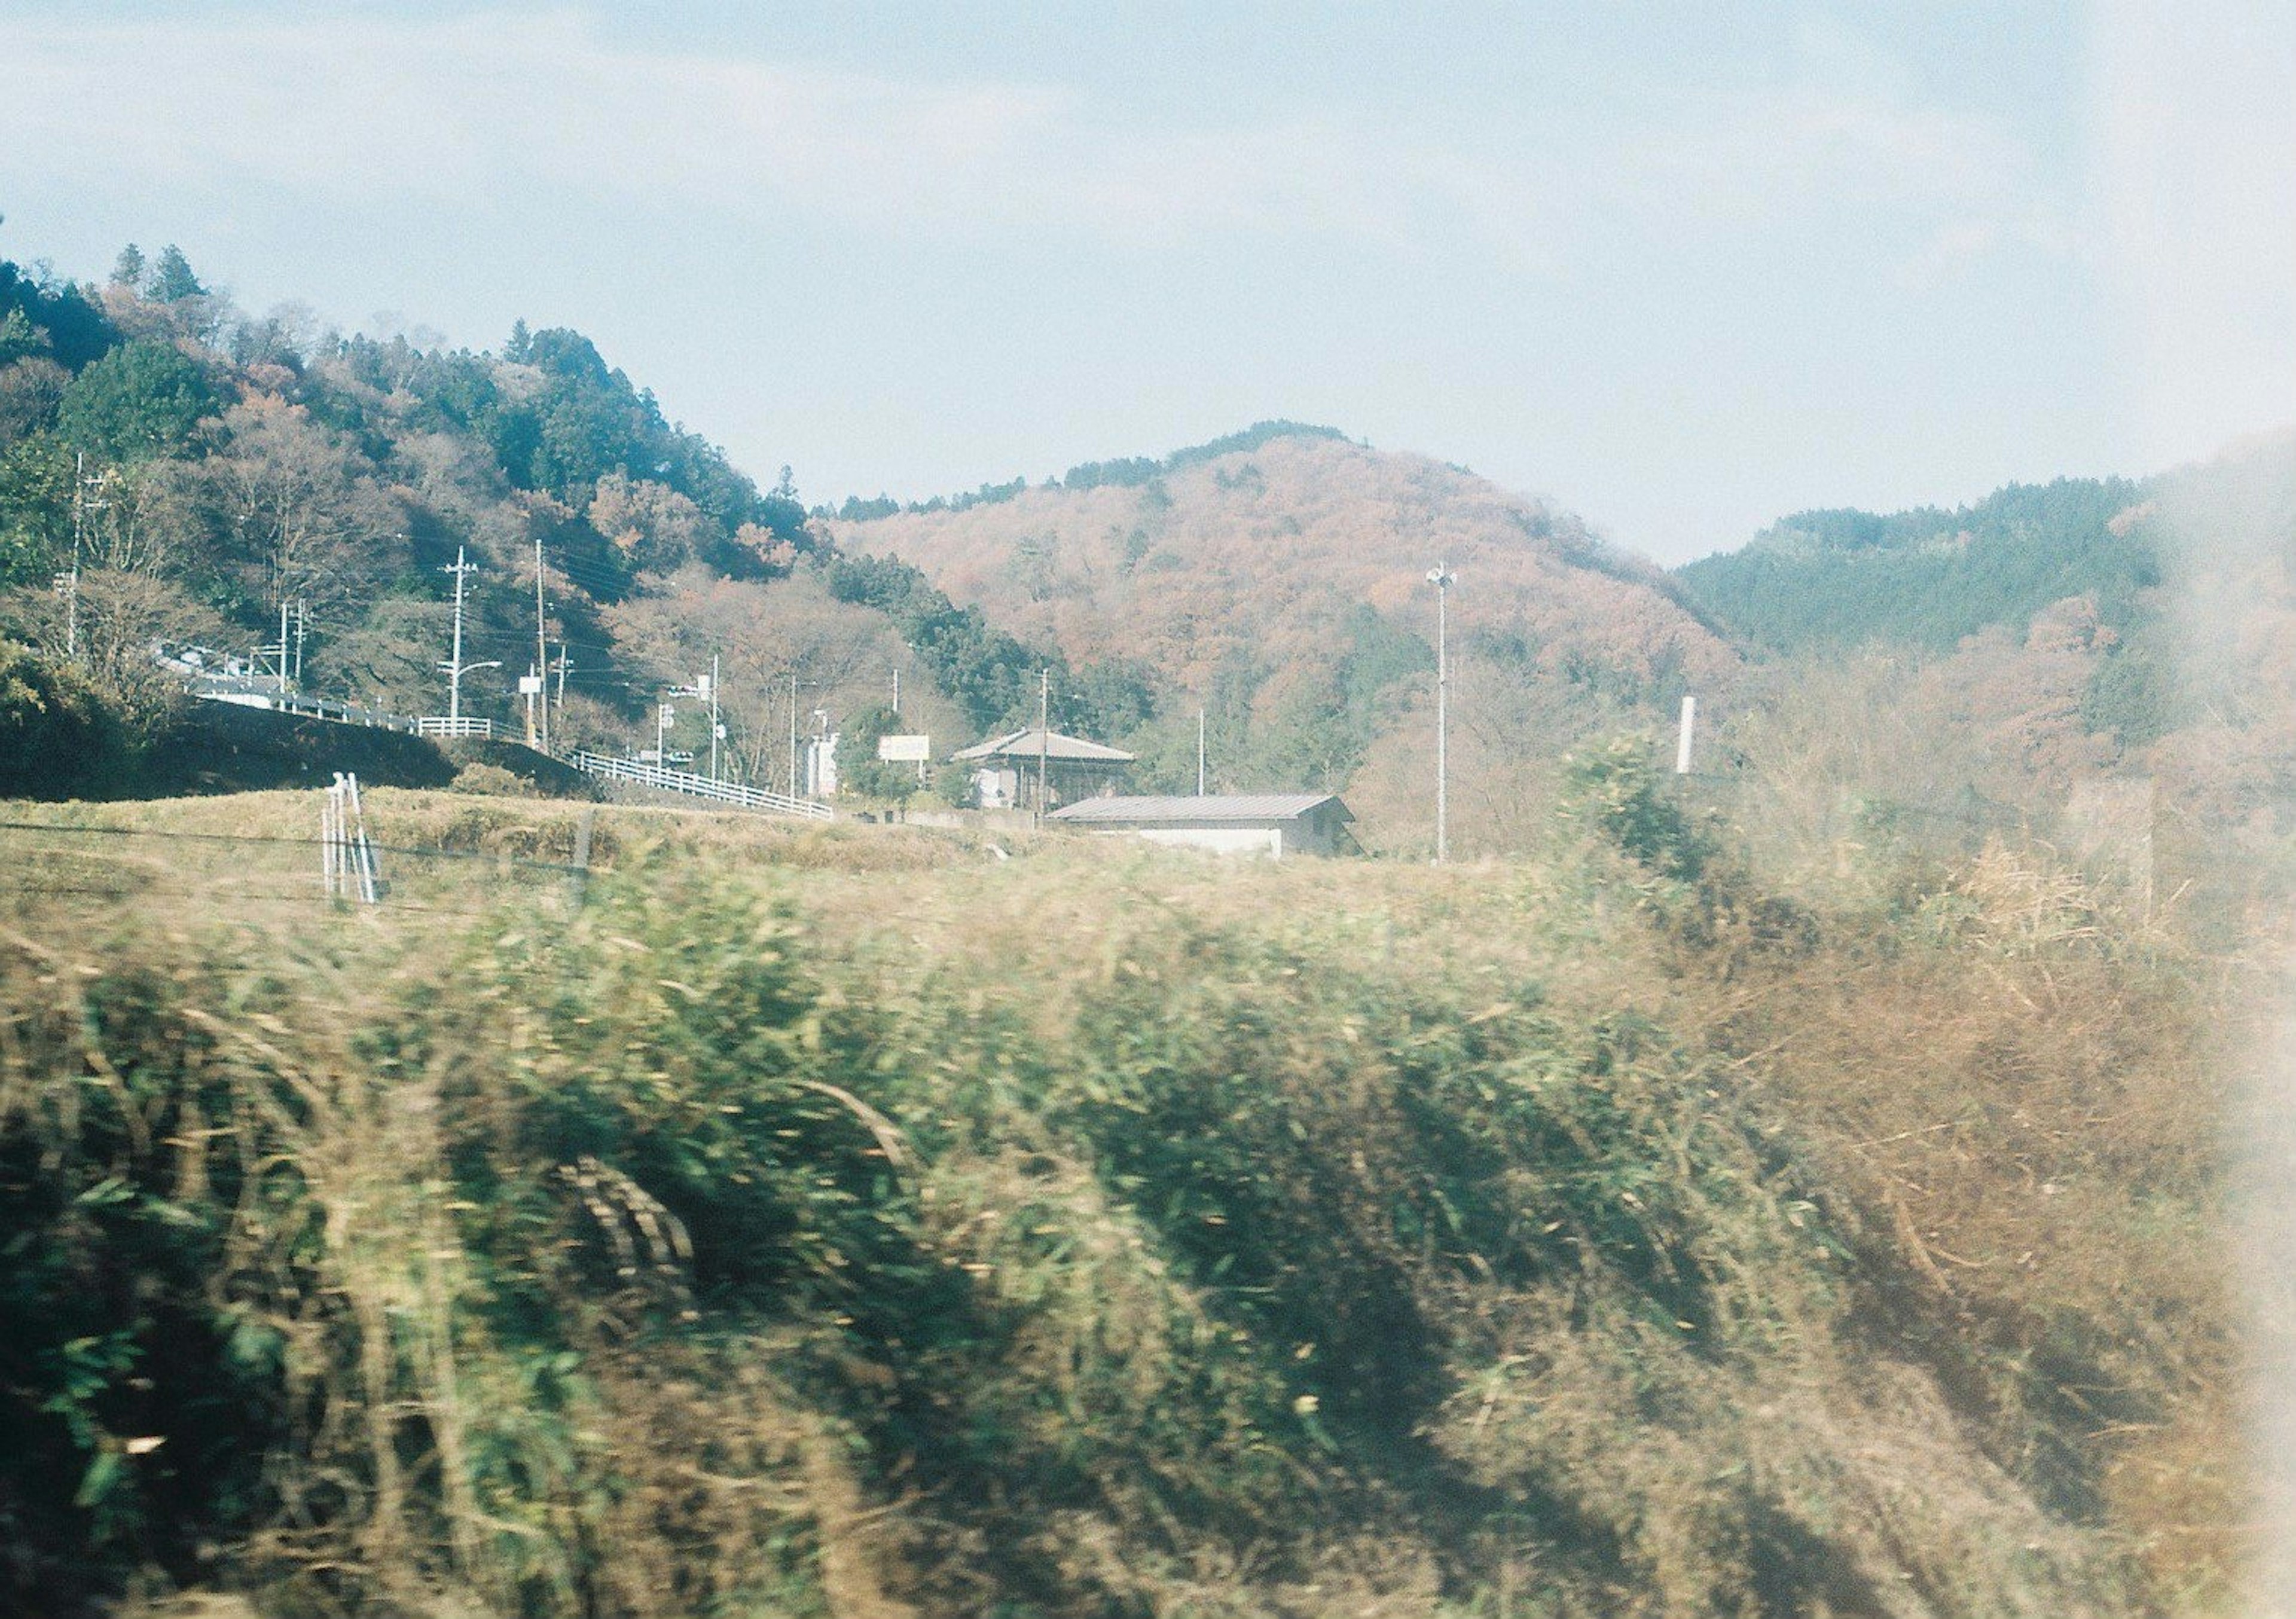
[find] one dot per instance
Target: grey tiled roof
(1023, 745)
(1218, 810)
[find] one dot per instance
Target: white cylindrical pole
(460, 570)
(541, 645)
(1199, 753)
(1682, 746)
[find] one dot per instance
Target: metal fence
(642, 773)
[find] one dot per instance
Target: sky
(1683, 268)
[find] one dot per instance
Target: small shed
(1005, 769)
(1273, 824)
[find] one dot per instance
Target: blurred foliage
(1093, 1238)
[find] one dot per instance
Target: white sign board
(529, 685)
(905, 749)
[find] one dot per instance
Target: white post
(716, 730)
(1044, 742)
(1199, 753)
(1682, 746)
(282, 646)
(896, 690)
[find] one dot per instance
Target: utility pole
(282, 645)
(1199, 753)
(716, 730)
(1689, 723)
(1043, 742)
(564, 663)
(1440, 577)
(896, 690)
(302, 627)
(662, 714)
(541, 646)
(792, 776)
(70, 581)
(462, 570)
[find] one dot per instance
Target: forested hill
(236, 467)
(1277, 579)
(1928, 577)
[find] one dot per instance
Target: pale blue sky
(1683, 267)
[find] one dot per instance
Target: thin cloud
(466, 113)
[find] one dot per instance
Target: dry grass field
(867, 1220)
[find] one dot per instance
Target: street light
(1441, 578)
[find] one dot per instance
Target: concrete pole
(541, 644)
(713, 717)
(1440, 577)
(462, 570)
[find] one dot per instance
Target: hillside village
(174, 472)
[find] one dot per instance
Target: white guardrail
(701, 786)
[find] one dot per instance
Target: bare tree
(303, 502)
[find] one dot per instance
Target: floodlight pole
(1440, 577)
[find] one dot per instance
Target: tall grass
(896, 1233)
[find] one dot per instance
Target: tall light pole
(1440, 577)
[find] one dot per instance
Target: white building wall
(1220, 839)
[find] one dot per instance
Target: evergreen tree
(172, 281)
(128, 270)
(141, 400)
